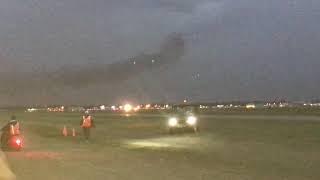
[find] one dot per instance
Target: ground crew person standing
(12, 128)
(86, 124)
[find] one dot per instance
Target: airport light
(103, 107)
(137, 108)
(127, 107)
(250, 106)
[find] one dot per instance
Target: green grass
(237, 147)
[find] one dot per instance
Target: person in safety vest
(12, 128)
(86, 124)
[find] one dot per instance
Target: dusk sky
(81, 51)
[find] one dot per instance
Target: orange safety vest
(86, 122)
(15, 129)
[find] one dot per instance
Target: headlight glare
(191, 120)
(173, 122)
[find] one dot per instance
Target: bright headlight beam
(192, 120)
(173, 122)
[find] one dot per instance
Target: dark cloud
(170, 53)
(242, 50)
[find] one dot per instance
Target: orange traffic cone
(73, 132)
(64, 131)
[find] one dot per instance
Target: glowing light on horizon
(127, 107)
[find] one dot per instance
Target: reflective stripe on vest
(86, 122)
(15, 129)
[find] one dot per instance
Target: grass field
(240, 146)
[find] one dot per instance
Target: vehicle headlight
(191, 120)
(173, 122)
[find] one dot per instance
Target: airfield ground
(241, 146)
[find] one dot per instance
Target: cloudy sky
(233, 50)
